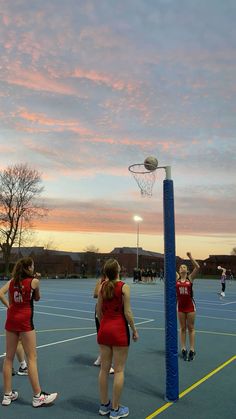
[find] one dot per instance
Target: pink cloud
(54, 124)
(115, 219)
(33, 79)
(6, 20)
(106, 79)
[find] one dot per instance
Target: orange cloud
(35, 80)
(99, 217)
(54, 124)
(104, 79)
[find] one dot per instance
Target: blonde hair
(111, 270)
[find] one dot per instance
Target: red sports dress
(20, 312)
(114, 330)
(184, 292)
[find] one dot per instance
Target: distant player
(222, 280)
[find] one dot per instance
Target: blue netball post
(172, 376)
(145, 176)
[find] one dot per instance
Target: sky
(88, 88)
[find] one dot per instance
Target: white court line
(64, 308)
(63, 315)
(81, 318)
(77, 338)
(226, 304)
(70, 302)
(85, 311)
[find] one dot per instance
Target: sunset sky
(88, 88)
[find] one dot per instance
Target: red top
(20, 312)
(184, 292)
(114, 329)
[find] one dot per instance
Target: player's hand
(135, 336)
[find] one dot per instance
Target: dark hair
(111, 270)
(21, 270)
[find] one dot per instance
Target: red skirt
(19, 320)
(113, 332)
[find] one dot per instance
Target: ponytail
(111, 270)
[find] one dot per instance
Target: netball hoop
(145, 178)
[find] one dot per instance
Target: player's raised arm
(196, 267)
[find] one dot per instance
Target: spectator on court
(23, 289)
(222, 280)
(98, 285)
(114, 313)
(186, 306)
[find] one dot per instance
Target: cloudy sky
(88, 88)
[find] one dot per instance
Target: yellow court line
(189, 389)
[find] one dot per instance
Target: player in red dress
(23, 290)
(23, 369)
(114, 314)
(186, 306)
(97, 288)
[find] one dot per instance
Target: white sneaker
(97, 363)
(222, 294)
(111, 370)
(44, 398)
(8, 398)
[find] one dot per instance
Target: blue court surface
(67, 348)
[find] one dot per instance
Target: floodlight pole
(137, 243)
(137, 219)
(171, 338)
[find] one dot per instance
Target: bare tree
(91, 248)
(20, 187)
(50, 245)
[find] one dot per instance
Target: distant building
(127, 257)
(65, 264)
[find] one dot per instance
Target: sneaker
(23, 371)
(184, 354)
(105, 409)
(8, 398)
(111, 370)
(222, 294)
(122, 412)
(97, 363)
(43, 399)
(191, 355)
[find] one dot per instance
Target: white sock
(37, 395)
(23, 364)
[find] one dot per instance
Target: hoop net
(144, 178)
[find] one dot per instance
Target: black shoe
(191, 355)
(23, 371)
(184, 354)
(13, 372)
